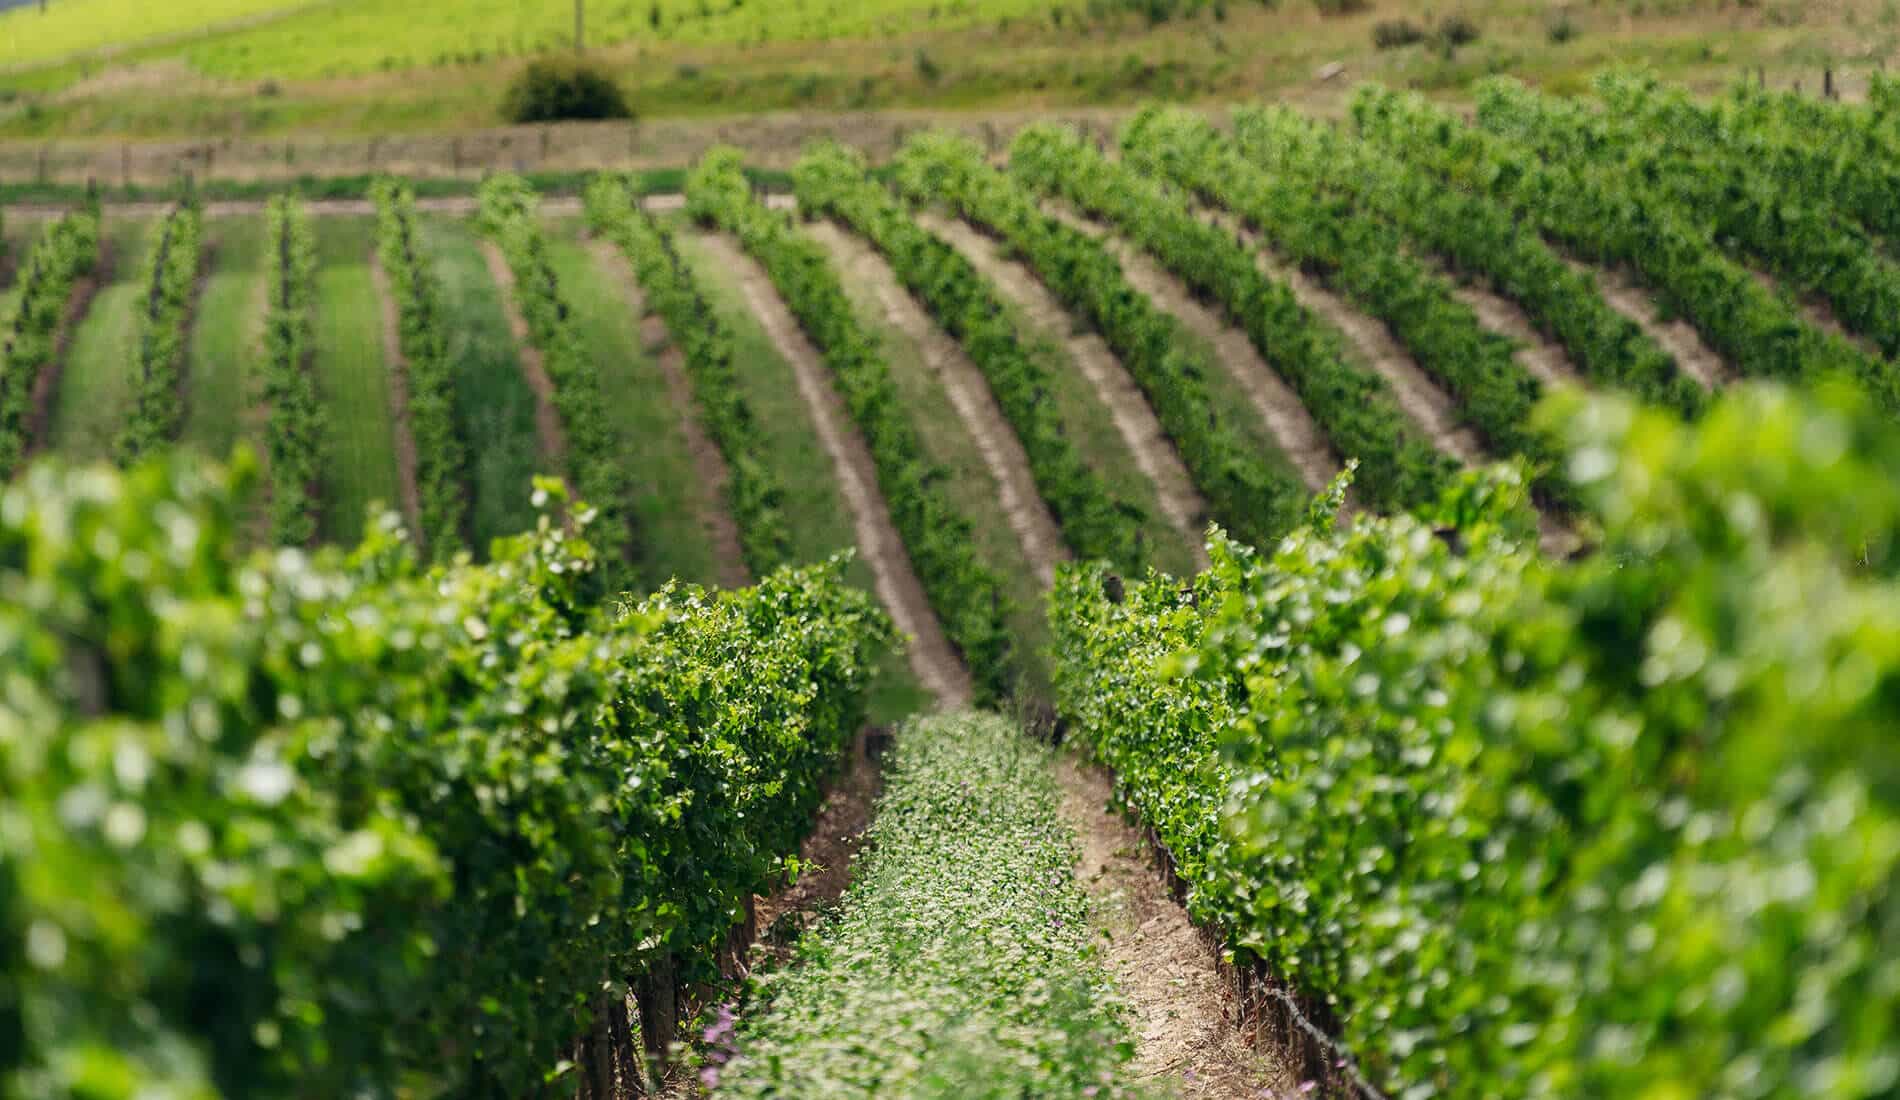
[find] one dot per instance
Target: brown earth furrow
(713, 479)
(1418, 396)
(1677, 337)
(1035, 528)
(1544, 359)
(1135, 421)
(1300, 439)
(931, 656)
(407, 482)
(547, 418)
(1166, 969)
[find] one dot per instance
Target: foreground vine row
(1608, 827)
(299, 826)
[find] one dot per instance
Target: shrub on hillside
(555, 91)
(1394, 34)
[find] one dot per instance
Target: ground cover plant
(959, 964)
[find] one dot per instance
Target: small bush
(1563, 29)
(1395, 34)
(553, 91)
(1342, 7)
(1457, 31)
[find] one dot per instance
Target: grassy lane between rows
(817, 522)
(961, 962)
(352, 383)
(666, 506)
(225, 340)
(494, 409)
(95, 387)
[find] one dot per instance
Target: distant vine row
(754, 491)
(65, 253)
(966, 594)
(595, 461)
(294, 436)
(1256, 496)
(441, 454)
(1351, 404)
(1477, 237)
(169, 279)
(831, 180)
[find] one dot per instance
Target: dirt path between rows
(712, 480)
(931, 656)
(1677, 337)
(1135, 421)
(1300, 439)
(397, 367)
(547, 419)
(1542, 357)
(1168, 972)
(969, 393)
(826, 854)
(1421, 399)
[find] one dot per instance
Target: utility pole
(580, 24)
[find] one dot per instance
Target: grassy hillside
(270, 66)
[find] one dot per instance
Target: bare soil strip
(547, 420)
(931, 656)
(397, 368)
(826, 854)
(1815, 310)
(1184, 1018)
(712, 478)
(969, 393)
(1543, 358)
(1154, 453)
(1300, 439)
(1420, 398)
(1678, 337)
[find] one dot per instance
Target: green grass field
(816, 517)
(669, 505)
(494, 409)
(352, 382)
(94, 395)
(221, 383)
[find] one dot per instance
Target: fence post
(1827, 83)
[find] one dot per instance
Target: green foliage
(563, 90)
(831, 180)
(1479, 238)
(294, 438)
(1395, 34)
(441, 454)
(170, 281)
(508, 215)
(303, 826)
(1243, 489)
(960, 965)
(1361, 256)
(1828, 152)
(1801, 240)
(1539, 829)
(1351, 404)
(1757, 332)
(753, 491)
(65, 253)
(965, 593)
